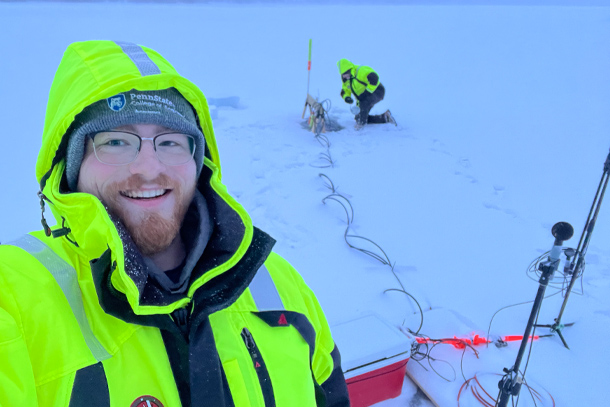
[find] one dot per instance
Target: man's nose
(147, 163)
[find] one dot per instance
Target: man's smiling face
(150, 197)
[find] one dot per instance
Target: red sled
(374, 358)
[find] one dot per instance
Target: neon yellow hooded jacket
(77, 327)
(363, 79)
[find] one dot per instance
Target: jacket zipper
(259, 367)
(181, 319)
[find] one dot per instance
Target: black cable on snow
(351, 240)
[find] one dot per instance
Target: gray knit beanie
(166, 108)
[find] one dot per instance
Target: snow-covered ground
(503, 130)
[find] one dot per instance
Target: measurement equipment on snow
(511, 382)
(576, 257)
(317, 114)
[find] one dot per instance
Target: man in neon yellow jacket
(154, 289)
(363, 83)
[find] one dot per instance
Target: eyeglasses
(120, 147)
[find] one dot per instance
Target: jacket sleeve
(17, 385)
(330, 386)
(345, 90)
(326, 363)
(335, 386)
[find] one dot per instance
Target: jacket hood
(95, 70)
(345, 65)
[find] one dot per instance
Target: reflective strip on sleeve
(264, 292)
(145, 65)
(66, 278)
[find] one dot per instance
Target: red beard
(152, 233)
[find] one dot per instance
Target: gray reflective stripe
(145, 65)
(66, 278)
(264, 292)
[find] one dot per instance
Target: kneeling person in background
(363, 83)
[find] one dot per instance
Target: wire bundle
(422, 350)
(478, 391)
(561, 278)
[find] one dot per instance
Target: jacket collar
(217, 294)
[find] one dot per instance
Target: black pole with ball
(576, 266)
(511, 382)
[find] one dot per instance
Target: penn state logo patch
(146, 401)
(116, 103)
